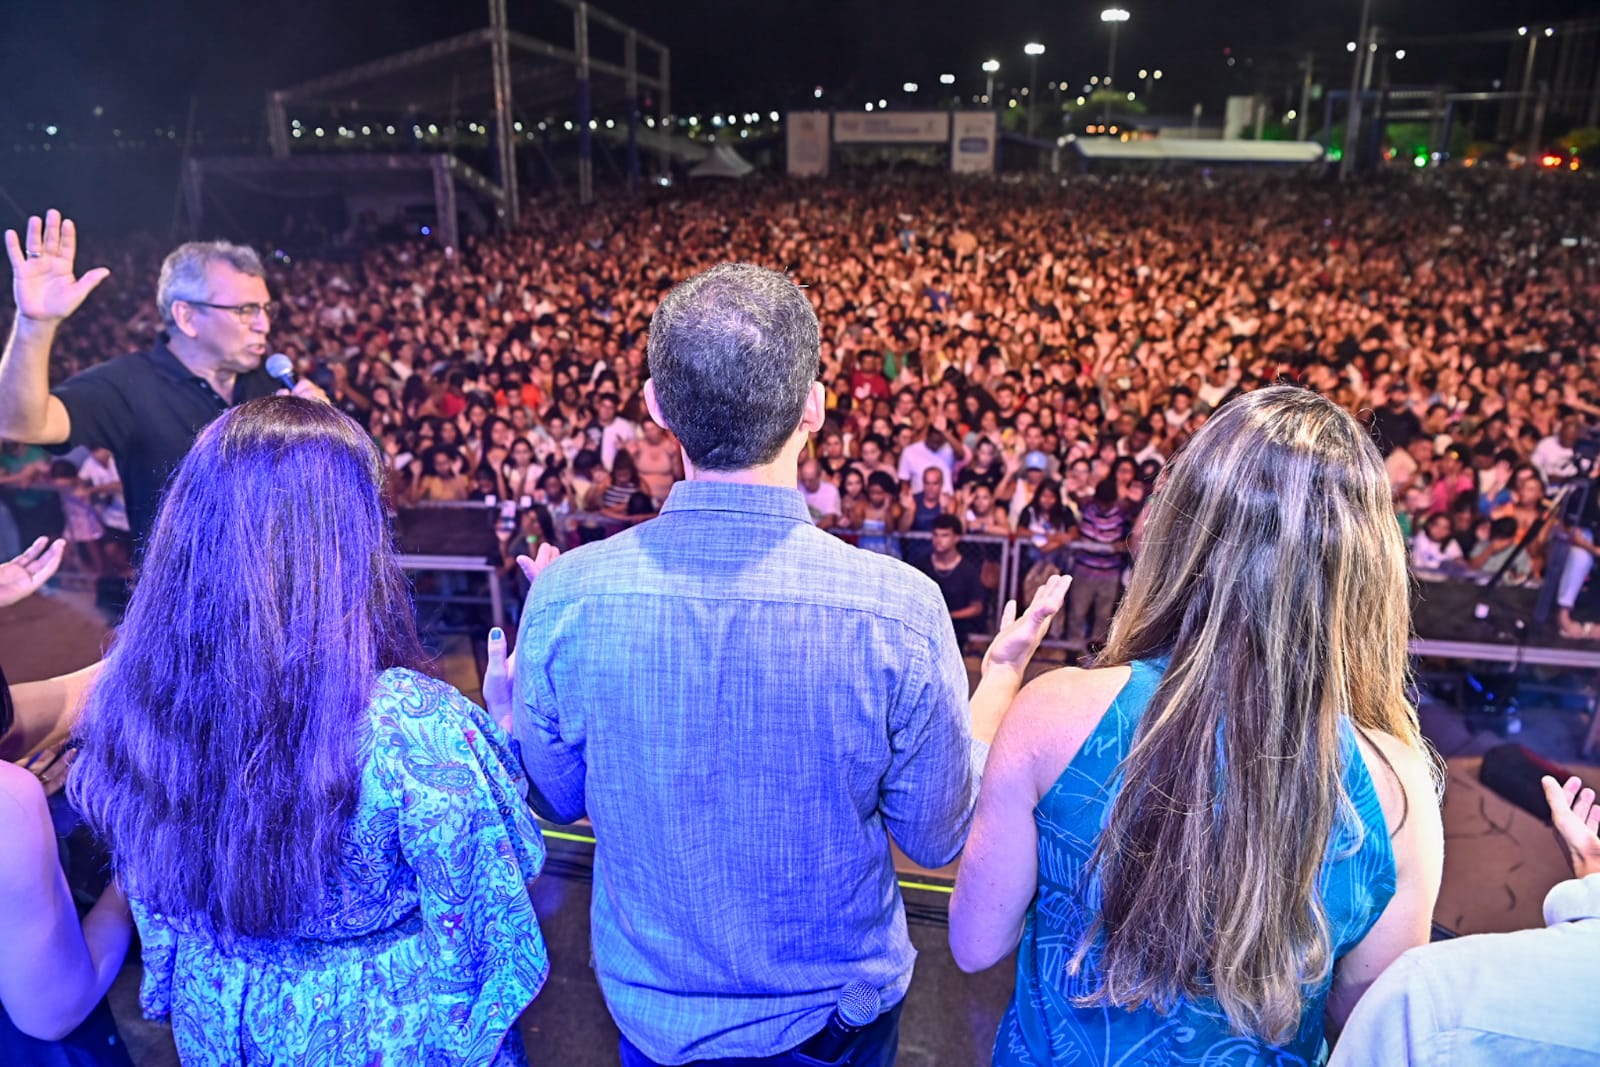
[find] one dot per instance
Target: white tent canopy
(1193, 150)
(723, 162)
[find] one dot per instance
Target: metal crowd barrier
(1014, 560)
(431, 538)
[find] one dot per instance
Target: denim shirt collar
(776, 501)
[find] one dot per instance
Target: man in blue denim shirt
(746, 708)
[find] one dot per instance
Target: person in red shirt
(867, 379)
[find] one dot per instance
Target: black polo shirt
(146, 408)
(962, 586)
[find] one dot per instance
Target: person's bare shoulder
(1056, 712)
(25, 829)
(1403, 776)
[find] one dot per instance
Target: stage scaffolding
(500, 71)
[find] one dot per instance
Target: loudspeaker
(1513, 771)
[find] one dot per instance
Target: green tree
(1114, 100)
(1581, 140)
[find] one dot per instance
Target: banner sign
(972, 142)
(891, 127)
(807, 133)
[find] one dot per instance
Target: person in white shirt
(1433, 549)
(1487, 1000)
(822, 496)
(1553, 454)
(99, 469)
(932, 451)
(615, 431)
(1218, 384)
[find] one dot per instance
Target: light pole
(1527, 83)
(1115, 16)
(990, 68)
(1352, 122)
(1033, 50)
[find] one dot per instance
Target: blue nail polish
(496, 635)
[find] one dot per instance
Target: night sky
(142, 61)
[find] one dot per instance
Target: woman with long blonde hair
(1208, 845)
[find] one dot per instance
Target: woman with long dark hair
(1210, 844)
(327, 853)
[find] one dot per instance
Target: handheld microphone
(281, 367)
(858, 1008)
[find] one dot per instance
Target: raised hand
(42, 281)
(1013, 647)
(22, 576)
(1577, 823)
(532, 568)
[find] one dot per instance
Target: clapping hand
(22, 576)
(532, 568)
(1577, 823)
(41, 269)
(1013, 647)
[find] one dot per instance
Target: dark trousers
(874, 1047)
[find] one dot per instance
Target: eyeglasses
(245, 312)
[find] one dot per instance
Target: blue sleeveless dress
(1041, 1026)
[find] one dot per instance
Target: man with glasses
(148, 406)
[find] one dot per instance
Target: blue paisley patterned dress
(1042, 1026)
(428, 952)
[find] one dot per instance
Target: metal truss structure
(500, 70)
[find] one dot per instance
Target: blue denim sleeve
(932, 786)
(551, 746)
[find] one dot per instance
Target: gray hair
(183, 272)
(733, 353)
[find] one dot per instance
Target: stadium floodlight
(1115, 16)
(909, 87)
(1399, 53)
(947, 79)
(1349, 46)
(883, 103)
(990, 68)
(1033, 50)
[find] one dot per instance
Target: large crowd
(1023, 356)
(1225, 827)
